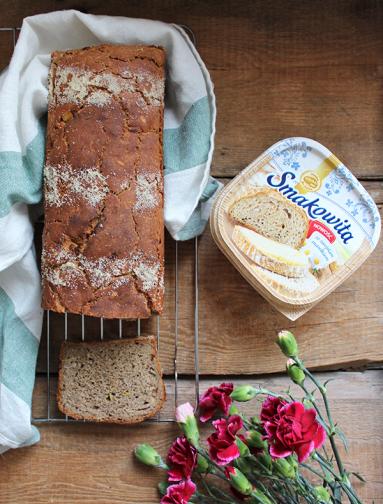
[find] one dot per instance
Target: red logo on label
(322, 229)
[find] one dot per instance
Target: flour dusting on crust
(66, 268)
(63, 184)
(74, 85)
(147, 194)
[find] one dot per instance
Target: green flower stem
(227, 498)
(263, 391)
(314, 471)
(288, 488)
(303, 489)
(248, 425)
(207, 499)
(221, 473)
(347, 489)
(260, 464)
(222, 493)
(316, 409)
(332, 432)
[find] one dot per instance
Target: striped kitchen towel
(188, 147)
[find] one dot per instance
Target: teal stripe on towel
(188, 145)
(18, 351)
(21, 175)
(196, 224)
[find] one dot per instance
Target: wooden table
(280, 68)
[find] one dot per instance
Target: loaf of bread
(269, 254)
(292, 287)
(103, 250)
(117, 381)
(272, 215)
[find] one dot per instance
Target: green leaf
(336, 492)
(359, 476)
(342, 437)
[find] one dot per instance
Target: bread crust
(276, 195)
(142, 340)
(103, 240)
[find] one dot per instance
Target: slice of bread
(292, 287)
(117, 381)
(272, 215)
(270, 254)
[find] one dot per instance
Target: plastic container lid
(342, 224)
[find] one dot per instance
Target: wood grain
(280, 69)
(79, 463)
(283, 68)
(344, 330)
(6, 48)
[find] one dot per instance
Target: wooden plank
(6, 48)
(91, 464)
(342, 331)
(280, 69)
(239, 326)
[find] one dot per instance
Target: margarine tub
(295, 223)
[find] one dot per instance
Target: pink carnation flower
(215, 398)
(183, 458)
(222, 445)
(180, 493)
(291, 428)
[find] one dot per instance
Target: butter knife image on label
(311, 180)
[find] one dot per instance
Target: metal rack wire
(52, 417)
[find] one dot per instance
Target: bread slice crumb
(116, 381)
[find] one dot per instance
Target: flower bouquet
(287, 454)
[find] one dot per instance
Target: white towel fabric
(188, 146)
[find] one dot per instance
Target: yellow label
(311, 180)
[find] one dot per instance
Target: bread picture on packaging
(267, 212)
(270, 231)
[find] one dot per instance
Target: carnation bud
(287, 343)
(292, 461)
(188, 423)
(254, 439)
(243, 448)
(295, 372)
(239, 481)
(148, 455)
(322, 494)
(260, 496)
(202, 464)
(233, 410)
(163, 487)
(283, 467)
(265, 459)
(243, 465)
(243, 393)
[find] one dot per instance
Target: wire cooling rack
(51, 414)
